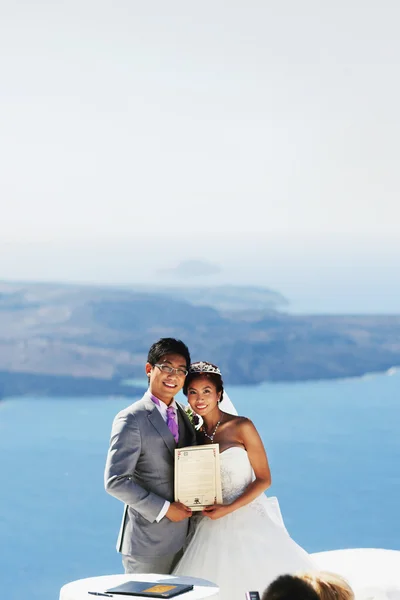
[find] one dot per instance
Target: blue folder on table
(151, 589)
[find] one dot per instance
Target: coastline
(134, 388)
(16, 384)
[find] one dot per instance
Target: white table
(365, 568)
(368, 570)
(78, 590)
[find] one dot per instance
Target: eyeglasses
(167, 369)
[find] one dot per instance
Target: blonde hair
(328, 586)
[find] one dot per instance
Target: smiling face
(165, 386)
(202, 395)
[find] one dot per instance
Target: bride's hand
(216, 511)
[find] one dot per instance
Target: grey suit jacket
(140, 472)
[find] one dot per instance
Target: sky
(262, 136)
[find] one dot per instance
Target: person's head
(328, 586)
(168, 362)
(203, 387)
(290, 587)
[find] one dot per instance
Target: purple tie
(172, 422)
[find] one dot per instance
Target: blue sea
(333, 446)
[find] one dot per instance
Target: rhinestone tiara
(204, 367)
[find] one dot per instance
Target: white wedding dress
(246, 549)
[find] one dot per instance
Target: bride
(242, 544)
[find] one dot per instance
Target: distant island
(74, 340)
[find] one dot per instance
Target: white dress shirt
(162, 409)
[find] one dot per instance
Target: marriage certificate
(198, 476)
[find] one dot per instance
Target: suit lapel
(159, 424)
(188, 430)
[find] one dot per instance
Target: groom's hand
(178, 512)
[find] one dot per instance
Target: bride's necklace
(211, 437)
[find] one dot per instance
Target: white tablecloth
(78, 590)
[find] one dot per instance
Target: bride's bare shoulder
(240, 422)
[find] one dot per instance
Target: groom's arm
(123, 454)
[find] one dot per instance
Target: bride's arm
(249, 437)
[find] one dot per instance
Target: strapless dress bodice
(236, 473)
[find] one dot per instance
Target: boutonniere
(193, 418)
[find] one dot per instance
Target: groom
(140, 465)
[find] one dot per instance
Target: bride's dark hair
(215, 378)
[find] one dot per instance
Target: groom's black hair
(290, 587)
(168, 346)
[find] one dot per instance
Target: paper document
(198, 476)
